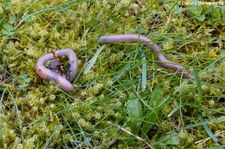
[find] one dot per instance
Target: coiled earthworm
(119, 38)
(45, 73)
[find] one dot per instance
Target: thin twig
(137, 137)
(207, 139)
(57, 59)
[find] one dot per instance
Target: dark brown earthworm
(45, 73)
(119, 38)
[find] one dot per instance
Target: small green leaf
(156, 97)
(6, 32)
(27, 80)
(222, 51)
(207, 10)
(216, 14)
(12, 19)
(8, 27)
(200, 18)
(177, 9)
(22, 86)
(223, 8)
(8, 5)
(169, 139)
(135, 113)
(134, 109)
(195, 10)
(156, 103)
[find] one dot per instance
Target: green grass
(123, 98)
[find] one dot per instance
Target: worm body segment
(45, 73)
(120, 38)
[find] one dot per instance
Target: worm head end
(186, 74)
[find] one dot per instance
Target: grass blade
(217, 147)
(51, 136)
(199, 88)
(59, 7)
(144, 72)
(18, 116)
(122, 71)
(1, 125)
(215, 139)
(92, 61)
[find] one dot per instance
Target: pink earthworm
(120, 38)
(45, 73)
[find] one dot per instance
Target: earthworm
(119, 38)
(45, 73)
